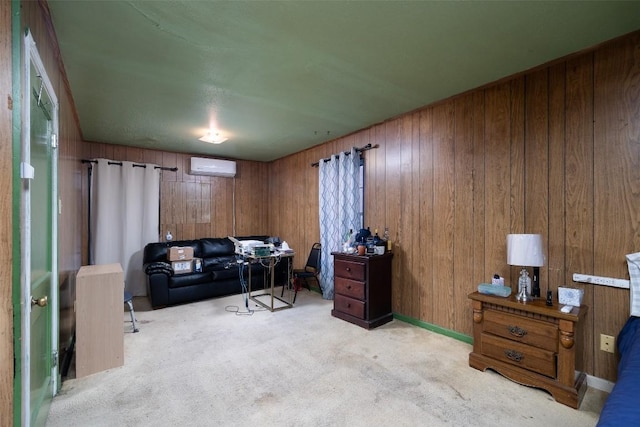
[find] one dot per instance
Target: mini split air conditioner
(212, 167)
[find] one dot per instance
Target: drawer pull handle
(517, 331)
(514, 355)
(348, 269)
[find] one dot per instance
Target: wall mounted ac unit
(212, 167)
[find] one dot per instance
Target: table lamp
(525, 250)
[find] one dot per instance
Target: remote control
(566, 308)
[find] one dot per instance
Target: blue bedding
(622, 407)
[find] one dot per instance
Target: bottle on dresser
(380, 245)
(386, 236)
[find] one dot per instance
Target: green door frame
(16, 83)
(23, 56)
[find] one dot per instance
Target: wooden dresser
(362, 289)
(530, 343)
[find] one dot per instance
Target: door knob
(40, 302)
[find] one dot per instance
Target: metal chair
(128, 299)
(310, 271)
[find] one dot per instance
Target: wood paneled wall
(193, 206)
(6, 224)
(554, 151)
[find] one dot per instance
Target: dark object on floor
(128, 299)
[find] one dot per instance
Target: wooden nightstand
(530, 343)
(362, 289)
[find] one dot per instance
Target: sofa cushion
(230, 273)
(218, 262)
(189, 279)
(233, 273)
(216, 246)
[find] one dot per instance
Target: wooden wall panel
(6, 224)
(579, 201)
(454, 178)
(478, 167)
(552, 275)
(426, 221)
(389, 139)
(463, 244)
(443, 213)
(536, 165)
(299, 206)
(497, 180)
(517, 171)
(404, 137)
(616, 181)
(414, 215)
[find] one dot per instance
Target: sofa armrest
(158, 289)
(159, 268)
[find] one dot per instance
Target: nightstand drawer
(349, 270)
(521, 329)
(350, 306)
(350, 288)
(523, 355)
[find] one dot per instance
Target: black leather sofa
(220, 273)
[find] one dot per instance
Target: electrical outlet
(607, 343)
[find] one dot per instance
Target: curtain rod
(359, 150)
(134, 165)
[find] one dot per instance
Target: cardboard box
(182, 267)
(570, 296)
(180, 253)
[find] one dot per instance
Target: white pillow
(633, 261)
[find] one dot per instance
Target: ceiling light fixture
(213, 138)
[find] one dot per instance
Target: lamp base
(535, 287)
(523, 296)
(524, 284)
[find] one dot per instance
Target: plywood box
(99, 318)
(180, 253)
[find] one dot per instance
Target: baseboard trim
(593, 382)
(600, 384)
(434, 328)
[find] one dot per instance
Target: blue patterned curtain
(339, 209)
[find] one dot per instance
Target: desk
(271, 262)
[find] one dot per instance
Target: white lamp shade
(525, 250)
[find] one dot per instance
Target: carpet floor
(202, 364)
